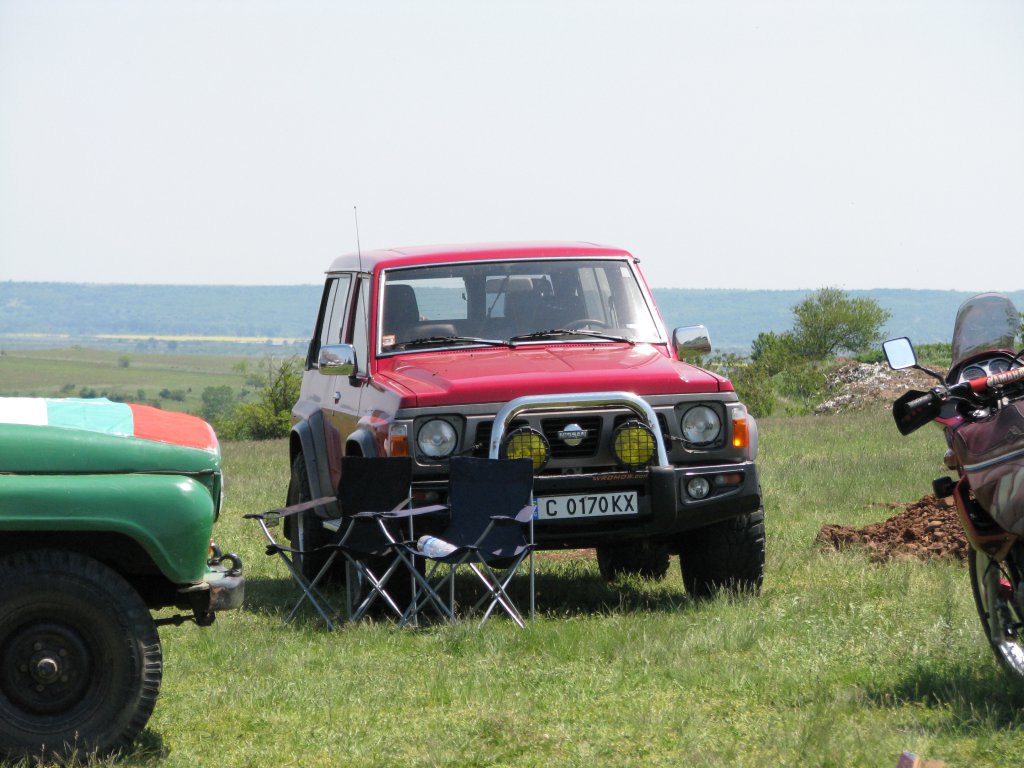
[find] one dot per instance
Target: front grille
(482, 438)
(592, 449)
(562, 450)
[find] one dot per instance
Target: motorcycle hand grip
(921, 402)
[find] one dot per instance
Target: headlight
(437, 439)
(633, 444)
(701, 425)
(526, 443)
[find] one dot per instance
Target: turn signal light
(740, 435)
(398, 440)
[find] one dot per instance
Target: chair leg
(309, 588)
(496, 587)
(310, 591)
(377, 590)
(426, 592)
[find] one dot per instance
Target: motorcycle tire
(1000, 614)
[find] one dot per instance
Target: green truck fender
(169, 515)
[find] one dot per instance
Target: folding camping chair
(490, 529)
(368, 545)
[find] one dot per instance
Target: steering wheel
(576, 325)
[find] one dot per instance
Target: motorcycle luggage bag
(992, 455)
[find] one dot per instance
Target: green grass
(65, 372)
(840, 661)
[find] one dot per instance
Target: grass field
(66, 372)
(840, 662)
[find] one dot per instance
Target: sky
(780, 144)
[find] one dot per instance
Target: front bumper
(664, 508)
(222, 588)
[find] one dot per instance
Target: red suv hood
(502, 374)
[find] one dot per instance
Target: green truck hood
(50, 436)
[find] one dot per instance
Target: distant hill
(79, 311)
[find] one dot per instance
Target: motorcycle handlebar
(997, 380)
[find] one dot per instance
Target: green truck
(106, 514)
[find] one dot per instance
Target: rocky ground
(927, 528)
(855, 386)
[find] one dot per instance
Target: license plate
(586, 506)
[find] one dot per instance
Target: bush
(270, 415)
(218, 402)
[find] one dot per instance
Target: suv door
(341, 395)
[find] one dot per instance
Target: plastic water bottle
(434, 548)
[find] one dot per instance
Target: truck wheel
(641, 558)
(80, 658)
(306, 531)
(725, 556)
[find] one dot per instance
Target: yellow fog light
(526, 443)
(633, 444)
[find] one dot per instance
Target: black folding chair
(368, 545)
(490, 529)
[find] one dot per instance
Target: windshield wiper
(427, 340)
(554, 332)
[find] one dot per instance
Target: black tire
(1009, 648)
(306, 531)
(80, 658)
(639, 557)
(725, 556)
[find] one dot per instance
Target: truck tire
(306, 531)
(80, 658)
(640, 558)
(725, 556)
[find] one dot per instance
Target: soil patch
(924, 529)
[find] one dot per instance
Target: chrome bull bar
(543, 403)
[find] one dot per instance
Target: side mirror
(337, 360)
(690, 340)
(900, 353)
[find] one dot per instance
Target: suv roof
(428, 254)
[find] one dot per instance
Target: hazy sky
(728, 144)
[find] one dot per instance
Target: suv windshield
(984, 323)
(535, 301)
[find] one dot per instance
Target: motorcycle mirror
(900, 353)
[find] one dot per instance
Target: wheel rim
(47, 668)
(1009, 646)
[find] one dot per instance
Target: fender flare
(307, 437)
(363, 440)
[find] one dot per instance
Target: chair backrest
(479, 488)
(372, 485)
(401, 311)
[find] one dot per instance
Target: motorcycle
(979, 404)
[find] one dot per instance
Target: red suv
(552, 351)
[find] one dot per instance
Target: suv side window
(332, 317)
(360, 325)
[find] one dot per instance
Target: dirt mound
(853, 386)
(925, 529)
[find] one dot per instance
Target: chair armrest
(399, 514)
(522, 517)
(293, 509)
